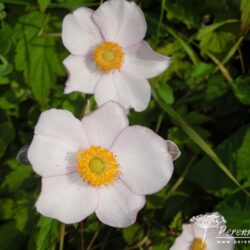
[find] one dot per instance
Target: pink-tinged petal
(125, 88)
(66, 198)
(121, 21)
(142, 60)
(58, 137)
(145, 164)
(173, 150)
(79, 33)
(214, 243)
(184, 241)
(104, 124)
(118, 206)
(83, 74)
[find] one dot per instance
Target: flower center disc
(108, 56)
(97, 166)
(198, 244)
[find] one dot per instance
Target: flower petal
(66, 198)
(104, 124)
(184, 241)
(173, 150)
(125, 88)
(83, 74)
(121, 21)
(118, 206)
(142, 60)
(145, 163)
(79, 33)
(58, 136)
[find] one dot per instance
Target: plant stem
(163, 3)
(62, 233)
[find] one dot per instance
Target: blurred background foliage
(201, 102)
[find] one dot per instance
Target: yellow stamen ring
(198, 244)
(108, 56)
(97, 166)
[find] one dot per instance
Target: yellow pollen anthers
(198, 244)
(108, 56)
(97, 166)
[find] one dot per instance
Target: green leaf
(216, 87)
(11, 99)
(13, 180)
(19, 209)
(217, 42)
(245, 15)
(197, 73)
(6, 34)
(166, 93)
(132, 234)
(204, 31)
(47, 234)
(234, 152)
(214, 39)
(236, 209)
(11, 237)
(241, 88)
(5, 67)
(177, 221)
(2, 12)
(7, 134)
(43, 4)
(36, 57)
(185, 11)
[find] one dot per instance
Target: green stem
(194, 58)
(62, 233)
(220, 65)
(163, 3)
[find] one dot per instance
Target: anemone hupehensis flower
(108, 55)
(98, 164)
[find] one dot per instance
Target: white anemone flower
(109, 57)
(197, 236)
(98, 164)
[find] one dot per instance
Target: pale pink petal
(184, 241)
(142, 60)
(145, 164)
(118, 206)
(121, 21)
(66, 198)
(58, 137)
(83, 74)
(173, 150)
(214, 243)
(198, 231)
(104, 124)
(125, 88)
(79, 34)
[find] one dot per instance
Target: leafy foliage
(201, 102)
